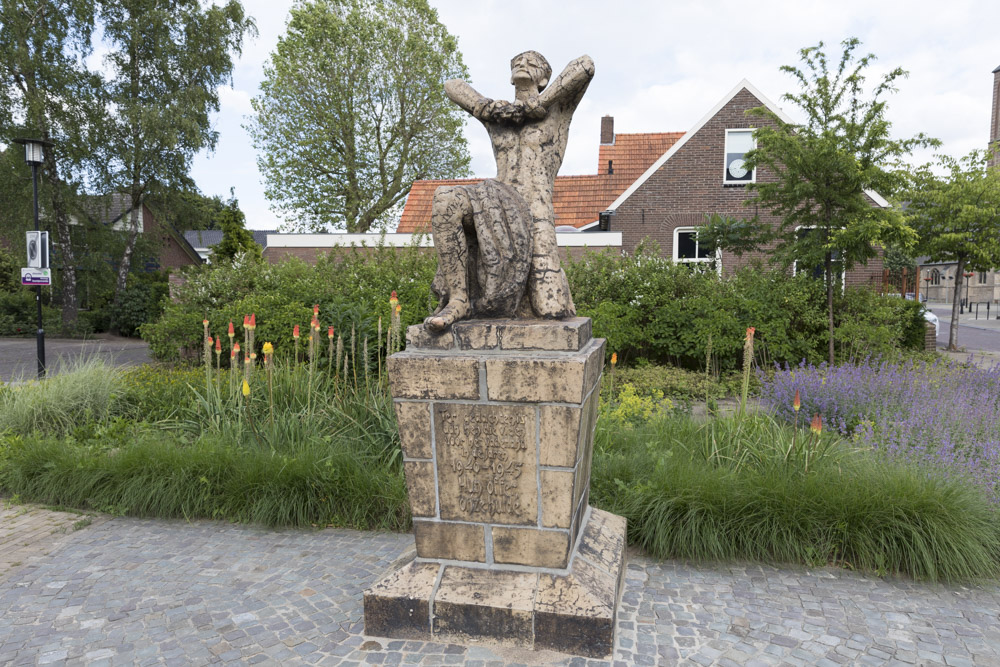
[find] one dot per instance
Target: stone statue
(496, 241)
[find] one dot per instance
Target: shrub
(648, 307)
(141, 301)
(351, 286)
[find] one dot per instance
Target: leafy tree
(186, 208)
(352, 110)
(166, 63)
(236, 238)
(826, 170)
(49, 94)
(957, 218)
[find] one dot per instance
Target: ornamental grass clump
(942, 416)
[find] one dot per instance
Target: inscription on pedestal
(486, 463)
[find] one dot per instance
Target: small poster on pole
(36, 277)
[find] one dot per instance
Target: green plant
(731, 489)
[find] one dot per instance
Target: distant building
(203, 239)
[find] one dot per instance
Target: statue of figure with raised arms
(496, 241)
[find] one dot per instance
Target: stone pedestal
(496, 421)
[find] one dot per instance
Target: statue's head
(533, 65)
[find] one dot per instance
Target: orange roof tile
(577, 200)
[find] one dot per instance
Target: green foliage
(734, 489)
(352, 110)
(158, 442)
(72, 395)
(140, 302)
(351, 286)
(10, 271)
(823, 170)
(649, 308)
(236, 238)
(19, 314)
(957, 218)
(673, 382)
(185, 207)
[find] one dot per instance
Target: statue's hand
(506, 113)
(532, 108)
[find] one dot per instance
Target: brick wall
(690, 185)
(171, 255)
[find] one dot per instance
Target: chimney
(608, 128)
(994, 124)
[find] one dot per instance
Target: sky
(662, 64)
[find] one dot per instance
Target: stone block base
(571, 610)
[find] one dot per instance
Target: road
(981, 334)
(18, 355)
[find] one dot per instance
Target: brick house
(661, 186)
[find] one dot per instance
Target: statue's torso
(528, 156)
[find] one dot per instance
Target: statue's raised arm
(467, 97)
(572, 83)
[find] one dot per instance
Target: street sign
(37, 244)
(36, 277)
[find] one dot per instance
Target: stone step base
(571, 611)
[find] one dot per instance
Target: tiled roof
(206, 238)
(577, 200)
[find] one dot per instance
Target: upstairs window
(738, 144)
(982, 277)
(935, 277)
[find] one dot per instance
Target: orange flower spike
(232, 354)
(205, 323)
(236, 347)
(329, 333)
(232, 331)
(253, 356)
(399, 309)
(210, 341)
(253, 320)
(750, 333)
(614, 358)
(797, 403)
(816, 426)
(218, 345)
(295, 332)
(246, 321)
(315, 311)
(393, 299)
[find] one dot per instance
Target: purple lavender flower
(941, 414)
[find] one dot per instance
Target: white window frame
(695, 260)
(725, 152)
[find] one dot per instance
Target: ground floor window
(688, 249)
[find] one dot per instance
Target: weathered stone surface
(559, 435)
(595, 364)
(603, 541)
(486, 463)
(485, 604)
(576, 613)
(414, 421)
(412, 375)
(420, 337)
(557, 498)
(507, 259)
(451, 541)
(420, 487)
(569, 335)
(531, 546)
(399, 604)
(535, 380)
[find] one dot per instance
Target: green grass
(689, 493)
(211, 453)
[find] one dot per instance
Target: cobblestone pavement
(29, 531)
(131, 591)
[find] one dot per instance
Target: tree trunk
(64, 241)
(953, 328)
(828, 267)
(126, 262)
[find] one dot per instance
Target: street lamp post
(33, 155)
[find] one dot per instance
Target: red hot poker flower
(295, 332)
(816, 426)
(329, 333)
(797, 403)
(246, 321)
(253, 320)
(315, 310)
(218, 345)
(232, 332)
(750, 332)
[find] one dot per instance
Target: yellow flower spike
(246, 389)
(268, 349)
